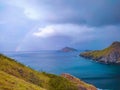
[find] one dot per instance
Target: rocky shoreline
(80, 84)
(110, 55)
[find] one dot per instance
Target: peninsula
(109, 55)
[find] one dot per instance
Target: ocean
(105, 77)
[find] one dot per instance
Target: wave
(103, 89)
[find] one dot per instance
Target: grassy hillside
(9, 82)
(16, 76)
(41, 79)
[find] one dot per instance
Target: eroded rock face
(110, 55)
(80, 84)
(113, 57)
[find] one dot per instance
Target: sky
(33, 25)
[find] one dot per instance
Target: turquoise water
(102, 76)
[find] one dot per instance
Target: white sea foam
(99, 89)
(102, 89)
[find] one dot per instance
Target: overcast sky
(33, 25)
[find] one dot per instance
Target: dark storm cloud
(90, 12)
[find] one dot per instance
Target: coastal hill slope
(68, 49)
(109, 55)
(10, 82)
(16, 76)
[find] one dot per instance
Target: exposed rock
(110, 55)
(68, 49)
(80, 84)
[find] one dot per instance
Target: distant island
(16, 76)
(68, 49)
(109, 55)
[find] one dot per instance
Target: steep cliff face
(80, 84)
(110, 55)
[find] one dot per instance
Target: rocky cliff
(109, 55)
(80, 84)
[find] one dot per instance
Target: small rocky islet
(109, 55)
(68, 49)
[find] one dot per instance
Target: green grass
(60, 83)
(9, 82)
(27, 77)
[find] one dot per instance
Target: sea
(103, 76)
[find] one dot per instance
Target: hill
(16, 76)
(68, 49)
(109, 55)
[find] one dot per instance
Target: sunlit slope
(41, 79)
(9, 82)
(16, 76)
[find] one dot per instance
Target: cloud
(2, 22)
(61, 35)
(56, 36)
(91, 13)
(58, 23)
(45, 32)
(27, 9)
(76, 32)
